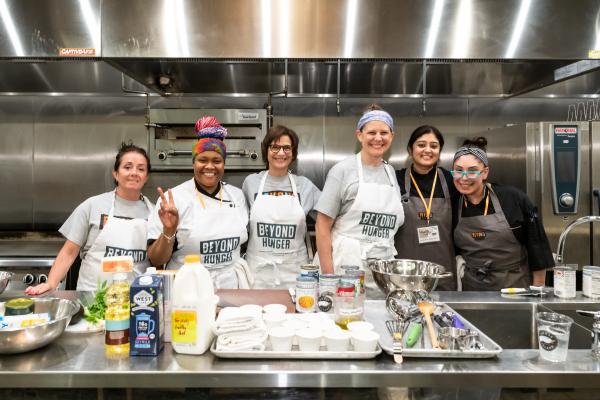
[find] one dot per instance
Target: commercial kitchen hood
(328, 48)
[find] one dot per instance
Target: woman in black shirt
(427, 195)
(498, 230)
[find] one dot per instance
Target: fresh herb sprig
(95, 312)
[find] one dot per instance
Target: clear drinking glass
(553, 331)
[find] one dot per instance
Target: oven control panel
(27, 271)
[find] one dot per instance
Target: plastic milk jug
(193, 308)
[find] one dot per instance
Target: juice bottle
(116, 339)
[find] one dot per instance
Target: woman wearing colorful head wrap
(498, 231)
(359, 210)
(203, 215)
(427, 194)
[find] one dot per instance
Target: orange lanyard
(487, 203)
(427, 206)
(200, 197)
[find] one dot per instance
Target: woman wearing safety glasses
(279, 202)
(427, 194)
(498, 230)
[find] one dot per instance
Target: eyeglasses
(275, 148)
(468, 174)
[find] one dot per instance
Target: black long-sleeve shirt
(523, 218)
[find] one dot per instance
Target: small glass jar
(348, 305)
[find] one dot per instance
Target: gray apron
(494, 258)
(407, 240)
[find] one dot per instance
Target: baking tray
(296, 354)
(377, 314)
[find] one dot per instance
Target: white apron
(217, 234)
(276, 248)
(367, 230)
(118, 237)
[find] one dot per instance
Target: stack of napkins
(240, 329)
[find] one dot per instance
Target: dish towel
(252, 340)
(236, 319)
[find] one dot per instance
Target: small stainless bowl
(450, 338)
(33, 337)
(391, 275)
(4, 280)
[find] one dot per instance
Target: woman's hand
(168, 213)
(65, 257)
(39, 289)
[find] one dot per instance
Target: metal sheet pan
(376, 313)
(296, 354)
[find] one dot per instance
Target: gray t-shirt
(308, 193)
(341, 185)
(85, 222)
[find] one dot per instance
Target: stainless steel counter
(77, 360)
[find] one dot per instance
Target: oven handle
(239, 153)
(26, 262)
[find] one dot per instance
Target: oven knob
(162, 156)
(253, 155)
(42, 278)
(566, 200)
(29, 279)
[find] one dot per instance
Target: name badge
(428, 234)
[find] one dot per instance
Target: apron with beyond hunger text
(217, 233)
(276, 247)
(118, 237)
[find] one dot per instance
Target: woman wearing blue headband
(498, 231)
(359, 210)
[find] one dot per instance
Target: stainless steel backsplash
(57, 151)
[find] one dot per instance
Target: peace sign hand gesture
(168, 213)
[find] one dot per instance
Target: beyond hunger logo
(219, 250)
(377, 224)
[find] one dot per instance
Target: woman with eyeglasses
(279, 202)
(427, 194)
(498, 230)
(360, 211)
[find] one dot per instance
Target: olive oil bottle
(116, 339)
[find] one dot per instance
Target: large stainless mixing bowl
(33, 337)
(4, 279)
(390, 275)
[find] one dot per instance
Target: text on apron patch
(219, 250)
(478, 235)
(377, 224)
(276, 236)
(137, 254)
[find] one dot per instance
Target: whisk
(396, 328)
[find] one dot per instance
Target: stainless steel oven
(29, 257)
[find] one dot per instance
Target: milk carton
(146, 324)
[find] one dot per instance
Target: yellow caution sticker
(594, 53)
